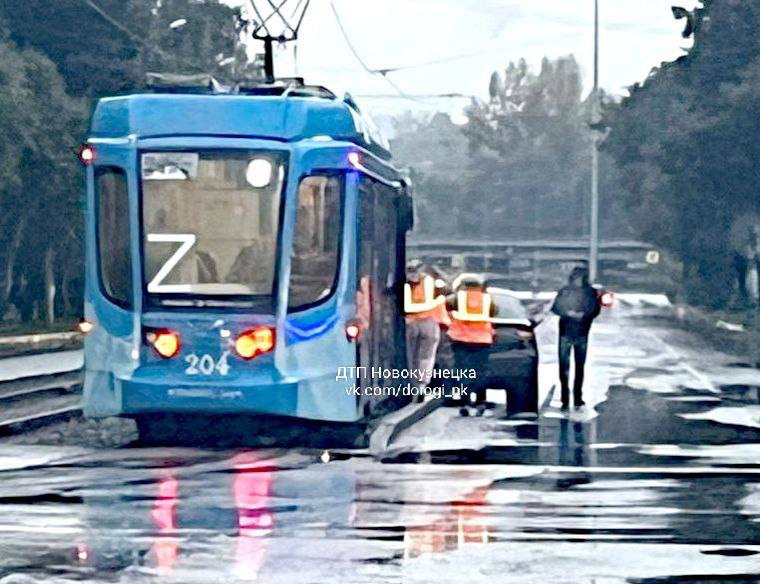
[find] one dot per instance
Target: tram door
(381, 256)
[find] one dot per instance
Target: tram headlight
(164, 342)
(254, 342)
(259, 173)
(355, 159)
(87, 154)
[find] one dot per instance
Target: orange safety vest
(421, 303)
(471, 321)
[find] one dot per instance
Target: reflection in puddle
(462, 523)
(252, 489)
(574, 441)
(663, 481)
(164, 514)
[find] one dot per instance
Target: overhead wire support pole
(593, 260)
(269, 59)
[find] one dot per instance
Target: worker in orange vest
(444, 357)
(426, 315)
(472, 333)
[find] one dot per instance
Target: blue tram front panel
(194, 242)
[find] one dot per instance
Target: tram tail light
(353, 331)
(254, 342)
(607, 298)
(164, 342)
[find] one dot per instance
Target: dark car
(513, 358)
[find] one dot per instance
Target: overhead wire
(298, 26)
(278, 9)
(364, 65)
(386, 70)
(116, 24)
(295, 10)
(453, 95)
(108, 18)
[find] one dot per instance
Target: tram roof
(280, 117)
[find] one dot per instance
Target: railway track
(31, 402)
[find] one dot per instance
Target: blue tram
(242, 246)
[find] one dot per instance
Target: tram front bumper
(142, 397)
(316, 398)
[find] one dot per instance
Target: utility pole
(593, 259)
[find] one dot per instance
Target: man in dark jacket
(577, 305)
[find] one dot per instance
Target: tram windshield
(211, 221)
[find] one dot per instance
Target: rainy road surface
(658, 481)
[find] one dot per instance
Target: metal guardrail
(542, 264)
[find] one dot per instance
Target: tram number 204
(206, 364)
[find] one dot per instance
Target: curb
(393, 424)
(34, 339)
(35, 344)
(744, 342)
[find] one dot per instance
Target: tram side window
(386, 228)
(380, 254)
(113, 235)
(316, 243)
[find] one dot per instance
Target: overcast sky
(635, 36)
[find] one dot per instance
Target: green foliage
(207, 43)
(519, 167)
(54, 58)
(107, 51)
(435, 151)
(687, 145)
(531, 150)
(39, 123)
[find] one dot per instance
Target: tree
(54, 58)
(519, 167)
(39, 211)
(435, 152)
(105, 46)
(686, 142)
(529, 147)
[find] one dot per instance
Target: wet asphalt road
(658, 481)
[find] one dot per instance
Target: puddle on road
(627, 422)
(276, 517)
(647, 491)
(555, 491)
